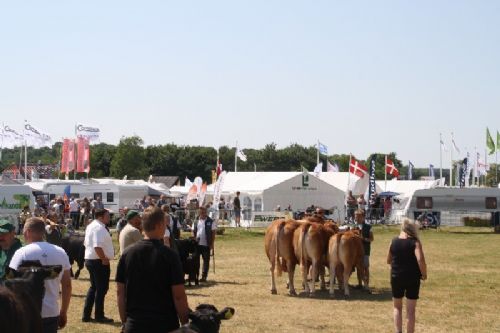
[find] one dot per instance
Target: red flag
(65, 156)
(219, 168)
(71, 155)
(357, 168)
(391, 169)
(83, 159)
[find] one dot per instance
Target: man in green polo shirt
(9, 244)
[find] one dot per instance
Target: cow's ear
(226, 313)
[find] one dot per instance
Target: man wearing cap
(53, 316)
(9, 244)
(131, 233)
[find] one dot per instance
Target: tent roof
(405, 187)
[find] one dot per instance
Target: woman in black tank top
(407, 261)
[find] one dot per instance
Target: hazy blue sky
(362, 77)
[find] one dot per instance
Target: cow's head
(29, 279)
(206, 318)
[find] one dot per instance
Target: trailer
(456, 206)
(114, 196)
(13, 198)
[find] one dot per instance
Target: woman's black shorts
(405, 287)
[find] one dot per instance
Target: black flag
(463, 172)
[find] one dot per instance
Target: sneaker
(104, 320)
(203, 279)
(86, 319)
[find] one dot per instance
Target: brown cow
(346, 250)
(278, 244)
(310, 244)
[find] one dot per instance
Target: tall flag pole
(496, 157)
(236, 158)
(410, 170)
(451, 161)
(385, 174)
(441, 146)
(317, 154)
(25, 151)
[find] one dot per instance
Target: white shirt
(96, 235)
(73, 206)
(48, 254)
(200, 232)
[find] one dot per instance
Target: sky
(359, 76)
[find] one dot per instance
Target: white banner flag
(34, 137)
(218, 189)
(90, 133)
(11, 138)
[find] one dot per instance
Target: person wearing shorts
(408, 267)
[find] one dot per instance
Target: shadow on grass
(471, 232)
(376, 295)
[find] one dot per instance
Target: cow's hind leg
(291, 286)
(347, 274)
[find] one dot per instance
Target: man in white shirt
(204, 232)
(47, 254)
(98, 252)
(74, 212)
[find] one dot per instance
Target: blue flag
(410, 170)
(431, 170)
(322, 148)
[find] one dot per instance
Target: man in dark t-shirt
(150, 282)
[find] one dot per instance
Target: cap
(131, 214)
(6, 226)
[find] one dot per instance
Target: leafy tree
(101, 156)
(129, 159)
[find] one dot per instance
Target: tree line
(131, 158)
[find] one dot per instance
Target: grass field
(462, 293)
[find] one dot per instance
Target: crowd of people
(150, 277)
(377, 208)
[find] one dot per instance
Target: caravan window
(424, 202)
(97, 194)
(491, 203)
(75, 195)
(109, 197)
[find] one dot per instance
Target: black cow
(206, 319)
(72, 244)
(188, 253)
(74, 248)
(27, 283)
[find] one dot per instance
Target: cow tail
(303, 260)
(277, 234)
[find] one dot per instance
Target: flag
(11, 138)
(391, 169)
(64, 156)
(32, 136)
(219, 168)
(443, 146)
(318, 169)
(202, 194)
(83, 155)
(90, 133)
(188, 183)
(410, 170)
(371, 182)
(489, 142)
(455, 145)
(218, 189)
(498, 141)
(431, 170)
(304, 170)
(192, 194)
(241, 154)
(332, 167)
(357, 168)
(70, 155)
(323, 149)
(482, 167)
(67, 192)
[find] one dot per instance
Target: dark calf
(187, 249)
(74, 248)
(27, 283)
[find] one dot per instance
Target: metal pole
(385, 175)
(451, 161)
(440, 157)
(236, 158)
(317, 154)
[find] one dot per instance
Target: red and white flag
(83, 158)
(357, 168)
(219, 168)
(391, 169)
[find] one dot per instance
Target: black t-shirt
(149, 269)
(236, 204)
(404, 262)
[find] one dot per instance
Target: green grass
(460, 295)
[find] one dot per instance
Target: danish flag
(391, 169)
(357, 168)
